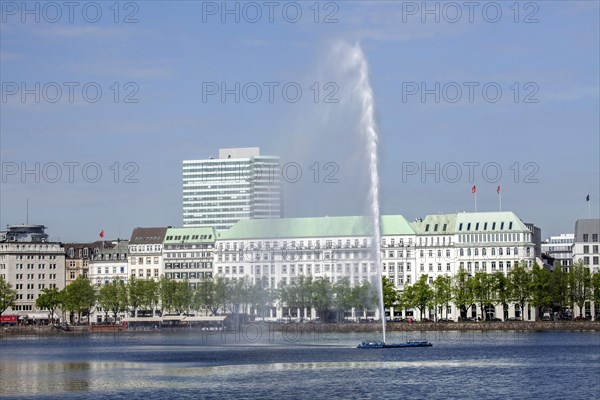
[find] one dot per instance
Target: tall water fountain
(369, 130)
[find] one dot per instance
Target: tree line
(331, 301)
(536, 286)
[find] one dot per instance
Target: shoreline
(324, 328)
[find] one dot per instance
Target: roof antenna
(27, 212)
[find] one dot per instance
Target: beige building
(30, 263)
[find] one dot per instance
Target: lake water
(301, 363)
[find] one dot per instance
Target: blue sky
(176, 48)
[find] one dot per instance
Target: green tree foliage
(519, 283)
(461, 291)
(79, 297)
(50, 299)
(580, 285)
(596, 289)
(419, 295)
(390, 295)
(540, 288)
(483, 286)
(7, 295)
(112, 297)
(135, 294)
(559, 286)
(442, 293)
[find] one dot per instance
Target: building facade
(586, 245)
(30, 264)
(240, 184)
(341, 247)
(188, 254)
(145, 259)
(110, 263)
(560, 248)
(77, 259)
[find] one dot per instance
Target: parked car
(495, 319)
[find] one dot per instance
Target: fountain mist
(369, 130)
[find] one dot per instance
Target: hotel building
(30, 263)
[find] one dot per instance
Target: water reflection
(167, 366)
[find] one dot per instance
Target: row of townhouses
(283, 249)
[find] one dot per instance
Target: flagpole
(475, 200)
(500, 194)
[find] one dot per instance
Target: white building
(560, 248)
(145, 259)
(110, 263)
(30, 264)
(281, 250)
(240, 184)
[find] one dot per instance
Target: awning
(41, 315)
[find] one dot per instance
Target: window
(585, 237)
(447, 266)
(594, 237)
(586, 249)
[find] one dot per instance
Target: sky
(102, 101)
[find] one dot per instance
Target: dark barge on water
(382, 345)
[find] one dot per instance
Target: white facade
(340, 247)
(145, 260)
(240, 184)
(110, 264)
(560, 248)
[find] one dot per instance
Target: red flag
(498, 190)
(474, 189)
(102, 233)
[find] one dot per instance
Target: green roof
(189, 235)
(503, 221)
(314, 227)
(470, 222)
(441, 224)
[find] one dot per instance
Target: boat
(382, 345)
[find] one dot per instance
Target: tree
(519, 283)
(222, 293)
(596, 290)
(182, 298)
(461, 291)
(363, 297)
(342, 297)
(50, 299)
(135, 294)
(419, 295)
(502, 289)
(322, 297)
(204, 297)
(390, 295)
(167, 288)
(113, 297)
(540, 287)
(7, 295)
(150, 294)
(559, 286)
(483, 286)
(580, 285)
(442, 293)
(79, 297)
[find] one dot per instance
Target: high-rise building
(240, 184)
